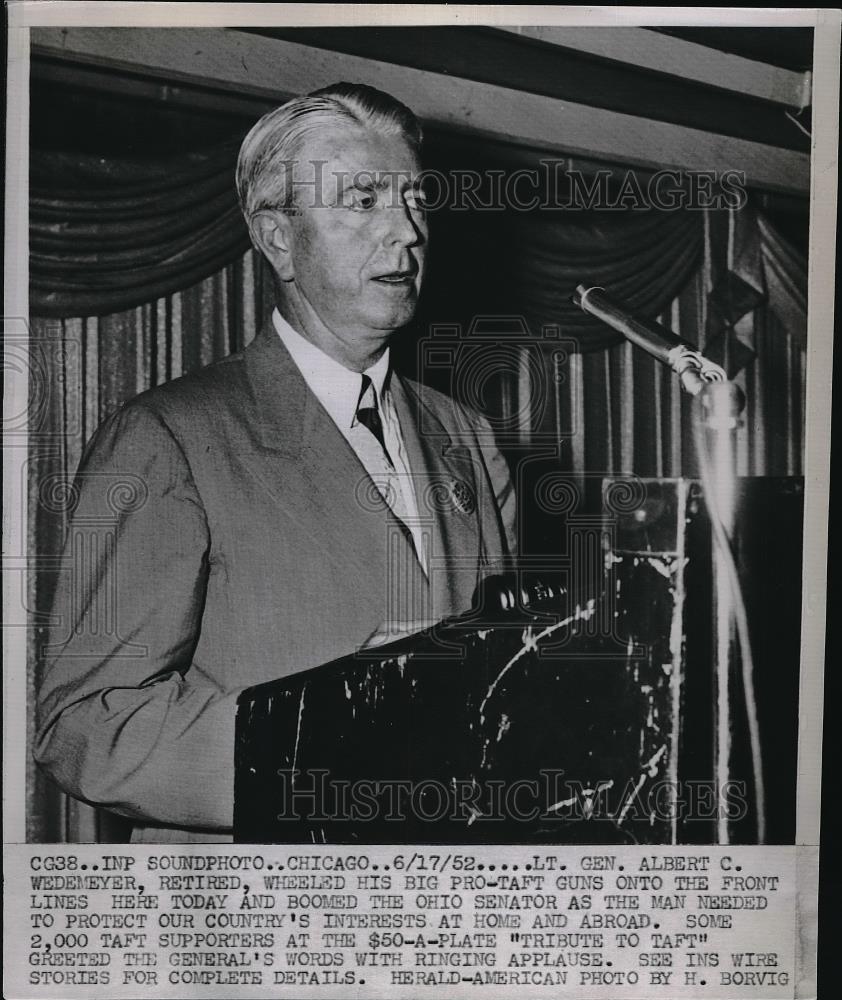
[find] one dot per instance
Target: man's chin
(393, 319)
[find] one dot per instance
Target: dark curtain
(535, 261)
(111, 233)
(107, 234)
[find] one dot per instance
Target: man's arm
(126, 719)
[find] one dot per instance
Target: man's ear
(271, 233)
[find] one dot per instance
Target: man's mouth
(397, 277)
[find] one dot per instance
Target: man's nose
(401, 225)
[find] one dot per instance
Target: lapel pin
(462, 496)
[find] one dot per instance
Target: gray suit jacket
(226, 534)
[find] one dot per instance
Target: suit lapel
(312, 472)
(307, 465)
(446, 494)
(315, 475)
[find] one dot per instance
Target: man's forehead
(356, 149)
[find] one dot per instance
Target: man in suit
(281, 508)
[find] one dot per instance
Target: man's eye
(416, 199)
(361, 201)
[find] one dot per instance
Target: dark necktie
(369, 416)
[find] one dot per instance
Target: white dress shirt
(337, 388)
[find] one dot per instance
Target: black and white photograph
(416, 445)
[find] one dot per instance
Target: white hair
(268, 152)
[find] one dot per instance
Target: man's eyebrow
(377, 179)
(363, 179)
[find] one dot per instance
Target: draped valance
(107, 234)
(644, 258)
(111, 233)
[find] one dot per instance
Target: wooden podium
(573, 718)
(490, 734)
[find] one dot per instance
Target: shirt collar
(336, 387)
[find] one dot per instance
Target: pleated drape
(643, 258)
(107, 234)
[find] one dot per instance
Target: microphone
(693, 369)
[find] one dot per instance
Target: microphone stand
(716, 416)
(718, 404)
